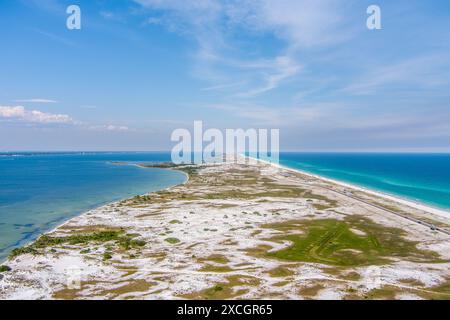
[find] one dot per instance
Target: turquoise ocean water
(421, 178)
(38, 191)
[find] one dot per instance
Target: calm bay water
(40, 191)
(422, 178)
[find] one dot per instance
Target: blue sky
(140, 68)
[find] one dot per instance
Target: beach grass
(117, 237)
(5, 268)
(333, 242)
(172, 240)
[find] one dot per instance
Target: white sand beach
(241, 231)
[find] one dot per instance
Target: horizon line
(281, 151)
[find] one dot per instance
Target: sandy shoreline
(223, 234)
(417, 205)
(110, 204)
(62, 224)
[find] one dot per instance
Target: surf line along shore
(238, 231)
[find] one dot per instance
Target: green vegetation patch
(170, 165)
(390, 292)
(384, 293)
(190, 170)
(439, 292)
(72, 294)
(133, 286)
(280, 272)
(216, 258)
(213, 268)
(20, 251)
(234, 287)
(270, 190)
(172, 240)
(311, 291)
(332, 242)
(107, 256)
(120, 239)
(4, 268)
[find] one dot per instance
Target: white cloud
(36, 100)
(22, 114)
(12, 112)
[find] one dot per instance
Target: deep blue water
(422, 178)
(40, 191)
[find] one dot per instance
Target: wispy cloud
(311, 114)
(219, 58)
(414, 73)
(89, 106)
(57, 38)
(302, 23)
(224, 86)
(113, 16)
(283, 68)
(36, 100)
(109, 127)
